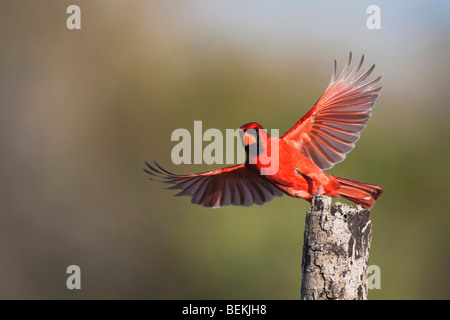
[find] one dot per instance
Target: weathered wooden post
(335, 251)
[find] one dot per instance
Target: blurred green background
(81, 110)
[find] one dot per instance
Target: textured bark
(335, 251)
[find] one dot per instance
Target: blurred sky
(80, 110)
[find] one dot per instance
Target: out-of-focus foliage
(81, 110)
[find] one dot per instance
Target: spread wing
(330, 129)
(235, 185)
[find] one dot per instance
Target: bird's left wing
(330, 129)
(236, 185)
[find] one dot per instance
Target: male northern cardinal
(319, 140)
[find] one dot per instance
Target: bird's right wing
(236, 185)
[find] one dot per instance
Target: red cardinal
(317, 142)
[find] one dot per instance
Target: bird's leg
(319, 191)
(310, 182)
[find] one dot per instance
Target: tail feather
(360, 193)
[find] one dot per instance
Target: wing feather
(328, 132)
(235, 185)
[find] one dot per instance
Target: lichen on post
(335, 251)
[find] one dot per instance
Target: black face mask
(255, 149)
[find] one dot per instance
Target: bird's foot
(301, 174)
(310, 180)
(319, 192)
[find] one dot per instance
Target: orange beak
(249, 139)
